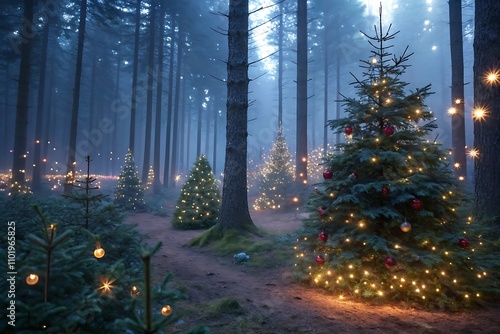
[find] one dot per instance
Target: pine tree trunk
(149, 94)
(21, 127)
(6, 121)
(48, 122)
(234, 213)
(177, 95)
(36, 182)
(183, 127)
(166, 170)
(280, 66)
(133, 104)
(487, 95)
(325, 88)
(214, 162)
(159, 94)
(208, 111)
(338, 104)
(301, 155)
(73, 129)
(114, 139)
(457, 87)
(198, 130)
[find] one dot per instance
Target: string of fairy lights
(478, 113)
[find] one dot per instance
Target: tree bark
(280, 66)
(198, 130)
(457, 87)
(149, 102)
(21, 127)
(36, 183)
(133, 104)
(177, 95)
(326, 86)
(487, 95)
(301, 155)
(234, 213)
(73, 129)
(159, 94)
(166, 170)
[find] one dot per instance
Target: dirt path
(272, 303)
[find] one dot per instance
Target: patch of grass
(224, 306)
(265, 249)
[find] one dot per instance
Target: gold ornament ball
(99, 252)
(405, 226)
(32, 279)
(166, 310)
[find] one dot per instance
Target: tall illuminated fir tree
(129, 193)
(199, 201)
(384, 225)
(277, 177)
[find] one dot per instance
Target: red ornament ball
(388, 130)
(327, 174)
(385, 191)
(348, 130)
(322, 211)
(389, 262)
(320, 259)
(323, 236)
(464, 243)
(354, 175)
(416, 204)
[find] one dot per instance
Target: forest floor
(261, 296)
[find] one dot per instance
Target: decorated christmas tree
(149, 182)
(129, 193)
(384, 225)
(276, 177)
(199, 202)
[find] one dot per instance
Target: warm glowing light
(295, 199)
(479, 114)
(473, 153)
(99, 252)
(456, 165)
(492, 77)
(106, 286)
(374, 60)
(134, 291)
(166, 310)
(458, 101)
(452, 111)
(32, 279)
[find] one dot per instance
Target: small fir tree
(149, 182)
(85, 195)
(385, 224)
(277, 177)
(129, 193)
(199, 202)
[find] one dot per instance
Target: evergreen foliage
(385, 224)
(129, 193)
(199, 201)
(82, 294)
(84, 193)
(276, 177)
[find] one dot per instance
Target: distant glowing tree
(277, 177)
(199, 202)
(129, 193)
(151, 178)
